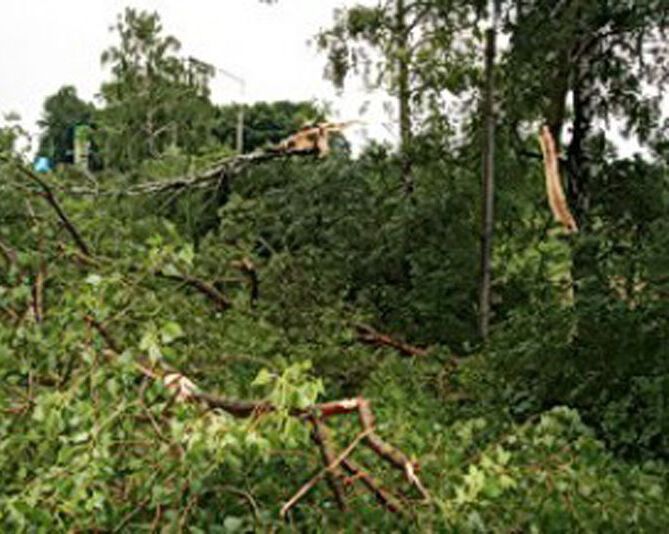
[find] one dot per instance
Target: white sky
(46, 44)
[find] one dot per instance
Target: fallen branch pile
(336, 464)
(185, 390)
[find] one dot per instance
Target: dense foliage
(556, 423)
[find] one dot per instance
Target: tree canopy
(155, 100)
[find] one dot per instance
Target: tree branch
(209, 291)
(369, 335)
(385, 499)
(321, 436)
(327, 469)
(53, 202)
(201, 180)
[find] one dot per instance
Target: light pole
(240, 114)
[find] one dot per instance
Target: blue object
(42, 164)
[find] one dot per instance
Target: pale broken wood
(556, 197)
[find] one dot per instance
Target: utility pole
(488, 189)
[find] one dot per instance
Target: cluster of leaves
(551, 475)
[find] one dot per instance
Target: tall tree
(405, 47)
(155, 99)
(488, 182)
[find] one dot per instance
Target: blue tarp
(42, 164)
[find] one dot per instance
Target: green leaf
(170, 331)
(264, 378)
(233, 524)
(93, 279)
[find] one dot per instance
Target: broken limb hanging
(185, 390)
(556, 197)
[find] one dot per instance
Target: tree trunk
(578, 163)
(404, 95)
(558, 90)
(488, 186)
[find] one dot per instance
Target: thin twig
(38, 292)
(246, 496)
(8, 253)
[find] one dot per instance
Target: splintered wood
(315, 138)
(556, 196)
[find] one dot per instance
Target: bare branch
(321, 436)
(387, 500)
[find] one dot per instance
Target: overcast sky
(46, 44)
